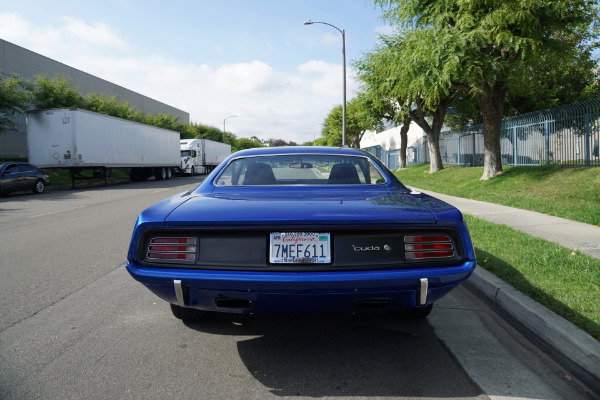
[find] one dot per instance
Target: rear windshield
(300, 170)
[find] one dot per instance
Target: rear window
(300, 170)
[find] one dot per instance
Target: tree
(332, 127)
(55, 93)
(200, 131)
(398, 72)
(15, 96)
(357, 123)
(165, 121)
(109, 105)
(558, 80)
(377, 93)
(485, 47)
(245, 143)
(279, 143)
(376, 109)
(549, 82)
(320, 141)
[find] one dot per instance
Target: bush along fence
(566, 135)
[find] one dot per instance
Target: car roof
(300, 150)
(4, 164)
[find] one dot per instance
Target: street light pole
(344, 75)
(231, 116)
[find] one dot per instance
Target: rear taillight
(427, 247)
(172, 249)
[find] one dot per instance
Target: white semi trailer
(201, 155)
(77, 140)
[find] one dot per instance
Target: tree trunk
(355, 138)
(404, 141)
(436, 127)
(433, 134)
(492, 160)
(435, 158)
(491, 104)
(433, 131)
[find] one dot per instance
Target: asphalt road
(75, 325)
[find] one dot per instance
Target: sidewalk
(570, 234)
(571, 347)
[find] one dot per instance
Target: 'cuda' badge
(369, 248)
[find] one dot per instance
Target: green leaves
(14, 99)
(105, 104)
(55, 93)
(332, 127)
(245, 143)
(488, 49)
(358, 121)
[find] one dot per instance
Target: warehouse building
(28, 64)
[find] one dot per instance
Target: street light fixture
(309, 22)
(231, 116)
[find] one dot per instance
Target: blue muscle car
(300, 230)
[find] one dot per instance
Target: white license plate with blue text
(300, 248)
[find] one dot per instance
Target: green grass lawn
(572, 193)
(565, 281)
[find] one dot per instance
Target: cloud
(268, 103)
(245, 78)
(14, 28)
(97, 34)
(324, 79)
(71, 35)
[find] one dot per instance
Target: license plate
(300, 248)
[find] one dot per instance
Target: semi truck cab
(191, 157)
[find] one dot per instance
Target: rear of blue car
(299, 247)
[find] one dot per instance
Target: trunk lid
(301, 207)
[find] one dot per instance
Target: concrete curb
(576, 350)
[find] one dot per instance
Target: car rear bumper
(301, 292)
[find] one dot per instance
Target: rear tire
(189, 314)
(169, 173)
(160, 173)
(39, 187)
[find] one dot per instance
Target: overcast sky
(251, 58)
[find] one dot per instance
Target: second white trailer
(201, 155)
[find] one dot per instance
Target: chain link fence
(566, 135)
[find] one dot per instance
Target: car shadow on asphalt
(365, 355)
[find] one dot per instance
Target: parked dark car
(300, 230)
(20, 176)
